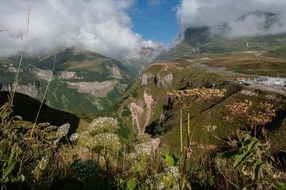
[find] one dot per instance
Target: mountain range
(88, 84)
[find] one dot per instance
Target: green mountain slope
(81, 82)
(147, 109)
(200, 40)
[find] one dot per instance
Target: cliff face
(98, 89)
(160, 80)
(142, 109)
(44, 74)
(29, 89)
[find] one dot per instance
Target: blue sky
(155, 19)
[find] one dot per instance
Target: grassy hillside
(200, 40)
(79, 67)
(186, 75)
(249, 64)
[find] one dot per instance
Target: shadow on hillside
(28, 107)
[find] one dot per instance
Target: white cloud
(196, 13)
(97, 25)
(151, 44)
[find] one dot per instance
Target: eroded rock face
(154, 144)
(44, 74)
(142, 109)
(98, 89)
(67, 75)
(115, 72)
(146, 78)
(29, 89)
(164, 81)
(11, 69)
(136, 113)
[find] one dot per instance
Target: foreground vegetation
(46, 156)
(36, 154)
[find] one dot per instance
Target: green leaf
(170, 158)
(279, 185)
(252, 144)
(241, 158)
(8, 169)
(245, 138)
(131, 184)
(18, 117)
(256, 169)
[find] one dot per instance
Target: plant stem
(181, 129)
(22, 52)
(38, 113)
(189, 128)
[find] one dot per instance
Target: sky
(155, 19)
(119, 28)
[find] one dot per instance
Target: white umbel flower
(63, 130)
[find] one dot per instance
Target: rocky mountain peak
(267, 19)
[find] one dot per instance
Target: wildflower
(43, 163)
(55, 143)
(140, 150)
(185, 97)
(63, 130)
(74, 137)
(210, 128)
(103, 125)
(84, 170)
(105, 140)
(165, 180)
(173, 171)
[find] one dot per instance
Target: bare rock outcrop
(11, 69)
(44, 74)
(29, 89)
(137, 113)
(164, 81)
(115, 72)
(142, 109)
(98, 89)
(67, 75)
(146, 78)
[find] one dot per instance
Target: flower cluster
(267, 113)
(74, 137)
(169, 179)
(83, 170)
(140, 151)
(237, 109)
(104, 140)
(41, 165)
(185, 97)
(210, 128)
(103, 125)
(63, 130)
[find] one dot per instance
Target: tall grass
(47, 88)
(24, 42)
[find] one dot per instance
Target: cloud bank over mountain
(197, 13)
(97, 25)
